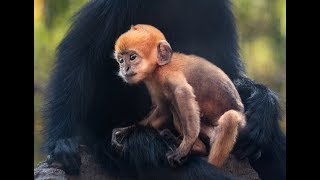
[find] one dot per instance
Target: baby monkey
(198, 95)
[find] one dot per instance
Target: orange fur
(140, 38)
(183, 86)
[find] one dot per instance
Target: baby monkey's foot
(176, 158)
(118, 134)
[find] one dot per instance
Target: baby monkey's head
(139, 51)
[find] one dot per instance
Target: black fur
(86, 98)
(144, 157)
(262, 132)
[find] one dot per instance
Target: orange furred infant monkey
(198, 95)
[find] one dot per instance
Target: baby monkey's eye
(133, 56)
(121, 60)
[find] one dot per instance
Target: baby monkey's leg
(198, 148)
(157, 118)
(187, 109)
(224, 136)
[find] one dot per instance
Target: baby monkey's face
(132, 67)
(139, 52)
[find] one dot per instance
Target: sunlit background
(262, 36)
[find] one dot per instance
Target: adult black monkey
(86, 99)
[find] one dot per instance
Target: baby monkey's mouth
(131, 74)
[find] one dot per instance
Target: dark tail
(262, 140)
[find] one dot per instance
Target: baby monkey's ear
(164, 52)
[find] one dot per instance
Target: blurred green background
(262, 37)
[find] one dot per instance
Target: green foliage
(49, 28)
(262, 39)
(262, 34)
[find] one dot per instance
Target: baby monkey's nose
(127, 68)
